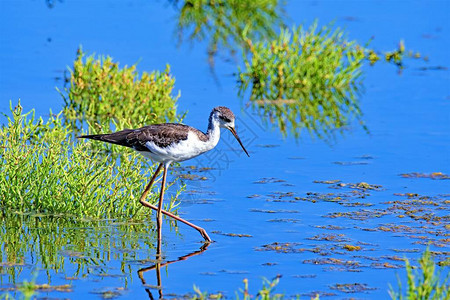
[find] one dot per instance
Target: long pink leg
(159, 208)
(161, 198)
(149, 185)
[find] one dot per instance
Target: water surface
(267, 214)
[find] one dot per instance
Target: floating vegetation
(192, 177)
(329, 227)
(425, 240)
(434, 175)
(361, 214)
(254, 196)
(269, 180)
(282, 197)
(350, 163)
(352, 287)
(408, 250)
(234, 271)
(429, 209)
(231, 234)
(393, 257)
(337, 184)
(361, 186)
(327, 181)
(445, 262)
(191, 168)
(284, 220)
(281, 247)
(269, 264)
(398, 228)
(350, 265)
(106, 293)
(344, 199)
(50, 288)
(269, 211)
(100, 91)
(305, 276)
(351, 248)
(329, 237)
(305, 79)
(385, 265)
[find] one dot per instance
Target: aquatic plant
(43, 170)
(396, 56)
(305, 79)
(226, 24)
(423, 284)
(100, 91)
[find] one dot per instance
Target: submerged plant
(423, 284)
(305, 79)
(43, 170)
(101, 92)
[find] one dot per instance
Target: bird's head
(225, 117)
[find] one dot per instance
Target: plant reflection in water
(77, 249)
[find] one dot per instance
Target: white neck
(213, 133)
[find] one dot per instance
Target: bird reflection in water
(159, 264)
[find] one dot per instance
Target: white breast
(183, 150)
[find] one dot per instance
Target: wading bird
(168, 143)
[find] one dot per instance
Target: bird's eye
(225, 119)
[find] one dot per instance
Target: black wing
(118, 138)
(162, 135)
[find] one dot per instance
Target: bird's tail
(117, 138)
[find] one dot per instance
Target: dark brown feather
(162, 135)
(118, 138)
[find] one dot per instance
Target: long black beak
(233, 131)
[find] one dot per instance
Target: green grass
(100, 92)
(425, 283)
(43, 169)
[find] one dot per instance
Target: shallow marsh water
(330, 218)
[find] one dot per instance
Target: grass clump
(424, 284)
(305, 79)
(100, 92)
(43, 170)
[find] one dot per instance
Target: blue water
(407, 113)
